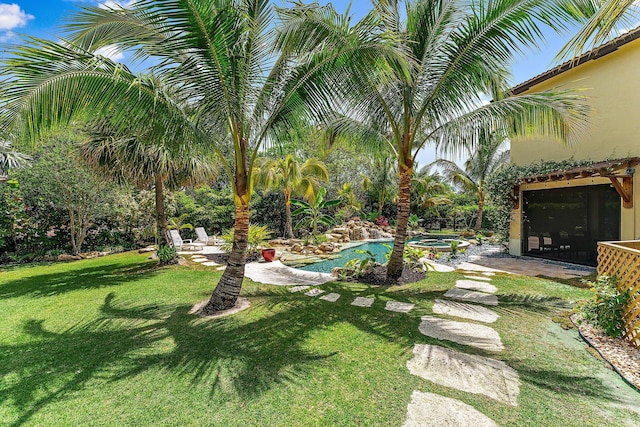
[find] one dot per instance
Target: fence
(622, 260)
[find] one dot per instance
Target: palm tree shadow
(75, 278)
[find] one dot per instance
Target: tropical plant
(136, 161)
(381, 178)
(459, 50)
(10, 159)
(178, 223)
(413, 221)
(235, 78)
(290, 177)
(483, 161)
(257, 238)
(349, 203)
(603, 19)
(166, 255)
(606, 306)
(313, 213)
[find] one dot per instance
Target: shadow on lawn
(252, 356)
(75, 277)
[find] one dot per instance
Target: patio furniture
(203, 237)
(183, 245)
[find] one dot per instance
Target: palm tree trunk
(287, 203)
(228, 289)
(396, 262)
(480, 210)
(161, 217)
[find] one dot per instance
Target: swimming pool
(376, 248)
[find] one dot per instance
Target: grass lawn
(109, 342)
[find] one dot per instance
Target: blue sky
(43, 18)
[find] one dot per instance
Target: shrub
(257, 239)
(381, 221)
(167, 255)
(605, 307)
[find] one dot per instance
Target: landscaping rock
(475, 285)
(466, 311)
(363, 302)
(479, 336)
(472, 296)
(314, 292)
(466, 372)
(399, 307)
(332, 297)
(67, 257)
(299, 288)
(147, 249)
(429, 409)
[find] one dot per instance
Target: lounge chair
(204, 238)
(183, 245)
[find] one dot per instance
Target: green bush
(604, 309)
(167, 255)
(257, 239)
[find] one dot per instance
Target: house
(562, 214)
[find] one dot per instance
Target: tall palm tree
(237, 77)
(459, 50)
(381, 180)
(132, 160)
(292, 178)
(479, 166)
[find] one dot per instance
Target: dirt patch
(241, 304)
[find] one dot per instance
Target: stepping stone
(210, 264)
(222, 268)
(399, 307)
(479, 336)
(199, 259)
(466, 372)
(333, 297)
(429, 409)
(477, 278)
(466, 311)
(299, 288)
(362, 302)
(472, 296)
(314, 292)
(474, 285)
(489, 273)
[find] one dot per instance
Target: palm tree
(479, 166)
(10, 159)
(431, 191)
(383, 173)
(603, 18)
(292, 178)
(131, 160)
(236, 79)
(459, 50)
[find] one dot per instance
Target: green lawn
(109, 342)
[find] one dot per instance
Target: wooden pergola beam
(624, 189)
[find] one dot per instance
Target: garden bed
(621, 355)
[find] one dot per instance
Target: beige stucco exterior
(612, 87)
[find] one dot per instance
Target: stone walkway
(523, 265)
(457, 369)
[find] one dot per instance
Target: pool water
(376, 248)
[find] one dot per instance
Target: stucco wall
(612, 87)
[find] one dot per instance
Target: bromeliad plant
(314, 213)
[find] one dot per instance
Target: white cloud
(117, 4)
(11, 16)
(111, 51)
(7, 36)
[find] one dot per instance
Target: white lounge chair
(183, 245)
(203, 237)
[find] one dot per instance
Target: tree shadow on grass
(76, 277)
(125, 341)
